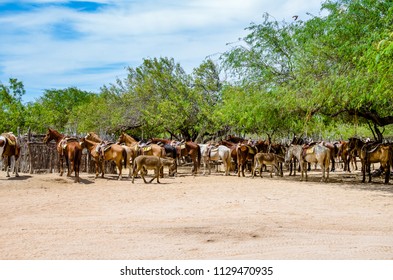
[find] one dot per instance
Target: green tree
(56, 108)
(161, 98)
(11, 106)
(325, 70)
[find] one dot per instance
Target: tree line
(329, 76)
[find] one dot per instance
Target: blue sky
(87, 44)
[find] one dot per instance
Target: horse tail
(77, 159)
(327, 159)
(124, 153)
(174, 151)
(199, 155)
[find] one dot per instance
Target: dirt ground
(44, 216)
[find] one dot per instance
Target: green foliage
(325, 69)
(329, 76)
(55, 109)
(11, 107)
(161, 97)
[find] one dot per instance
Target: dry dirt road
(44, 216)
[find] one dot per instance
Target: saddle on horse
(308, 148)
(103, 147)
(10, 138)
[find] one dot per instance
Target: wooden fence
(37, 157)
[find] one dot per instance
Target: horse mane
(226, 142)
(235, 139)
(54, 135)
(89, 141)
(129, 137)
(93, 137)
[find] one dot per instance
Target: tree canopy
(329, 75)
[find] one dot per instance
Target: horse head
(51, 135)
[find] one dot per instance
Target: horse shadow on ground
(349, 181)
(85, 181)
(19, 178)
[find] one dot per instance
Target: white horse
(212, 153)
(315, 154)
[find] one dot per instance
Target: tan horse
(150, 149)
(148, 162)
(10, 148)
(242, 151)
(69, 149)
(381, 153)
(102, 151)
(261, 159)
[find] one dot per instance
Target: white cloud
(122, 34)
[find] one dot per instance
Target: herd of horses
(139, 156)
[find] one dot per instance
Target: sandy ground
(44, 216)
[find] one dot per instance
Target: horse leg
(102, 161)
(16, 165)
(162, 172)
(7, 165)
(143, 177)
(204, 165)
(156, 175)
(96, 165)
(72, 167)
(303, 168)
(260, 170)
(327, 174)
(333, 164)
(253, 168)
(323, 167)
(387, 173)
(61, 165)
(68, 165)
(134, 172)
(119, 166)
(363, 171)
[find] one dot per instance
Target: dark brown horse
(69, 149)
(346, 155)
(10, 148)
(355, 146)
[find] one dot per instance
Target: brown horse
(242, 152)
(355, 146)
(102, 151)
(140, 148)
(184, 149)
(194, 152)
(9, 147)
(381, 153)
(69, 149)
